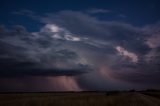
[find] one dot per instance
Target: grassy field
(80, 99)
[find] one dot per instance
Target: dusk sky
(79, 45)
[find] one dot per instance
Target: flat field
(81, 99)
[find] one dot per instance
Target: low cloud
(26, 54)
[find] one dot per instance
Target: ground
(81, 99)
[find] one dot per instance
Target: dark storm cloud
(25, 71)
(137, 43)
(23, 54)
(73, 42)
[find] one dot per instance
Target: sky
(79, 45)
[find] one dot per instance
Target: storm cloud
(93, 54)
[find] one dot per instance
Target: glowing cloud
(133, 57)
(60, 33)
(52, 27)
(72, 38)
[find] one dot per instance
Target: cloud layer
(82, 51)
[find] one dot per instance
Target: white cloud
(57, 32)
(132, 56)
(56, 36)
(72, 38)
(52, 28)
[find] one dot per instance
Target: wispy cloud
(28, 13)
(98, 11)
